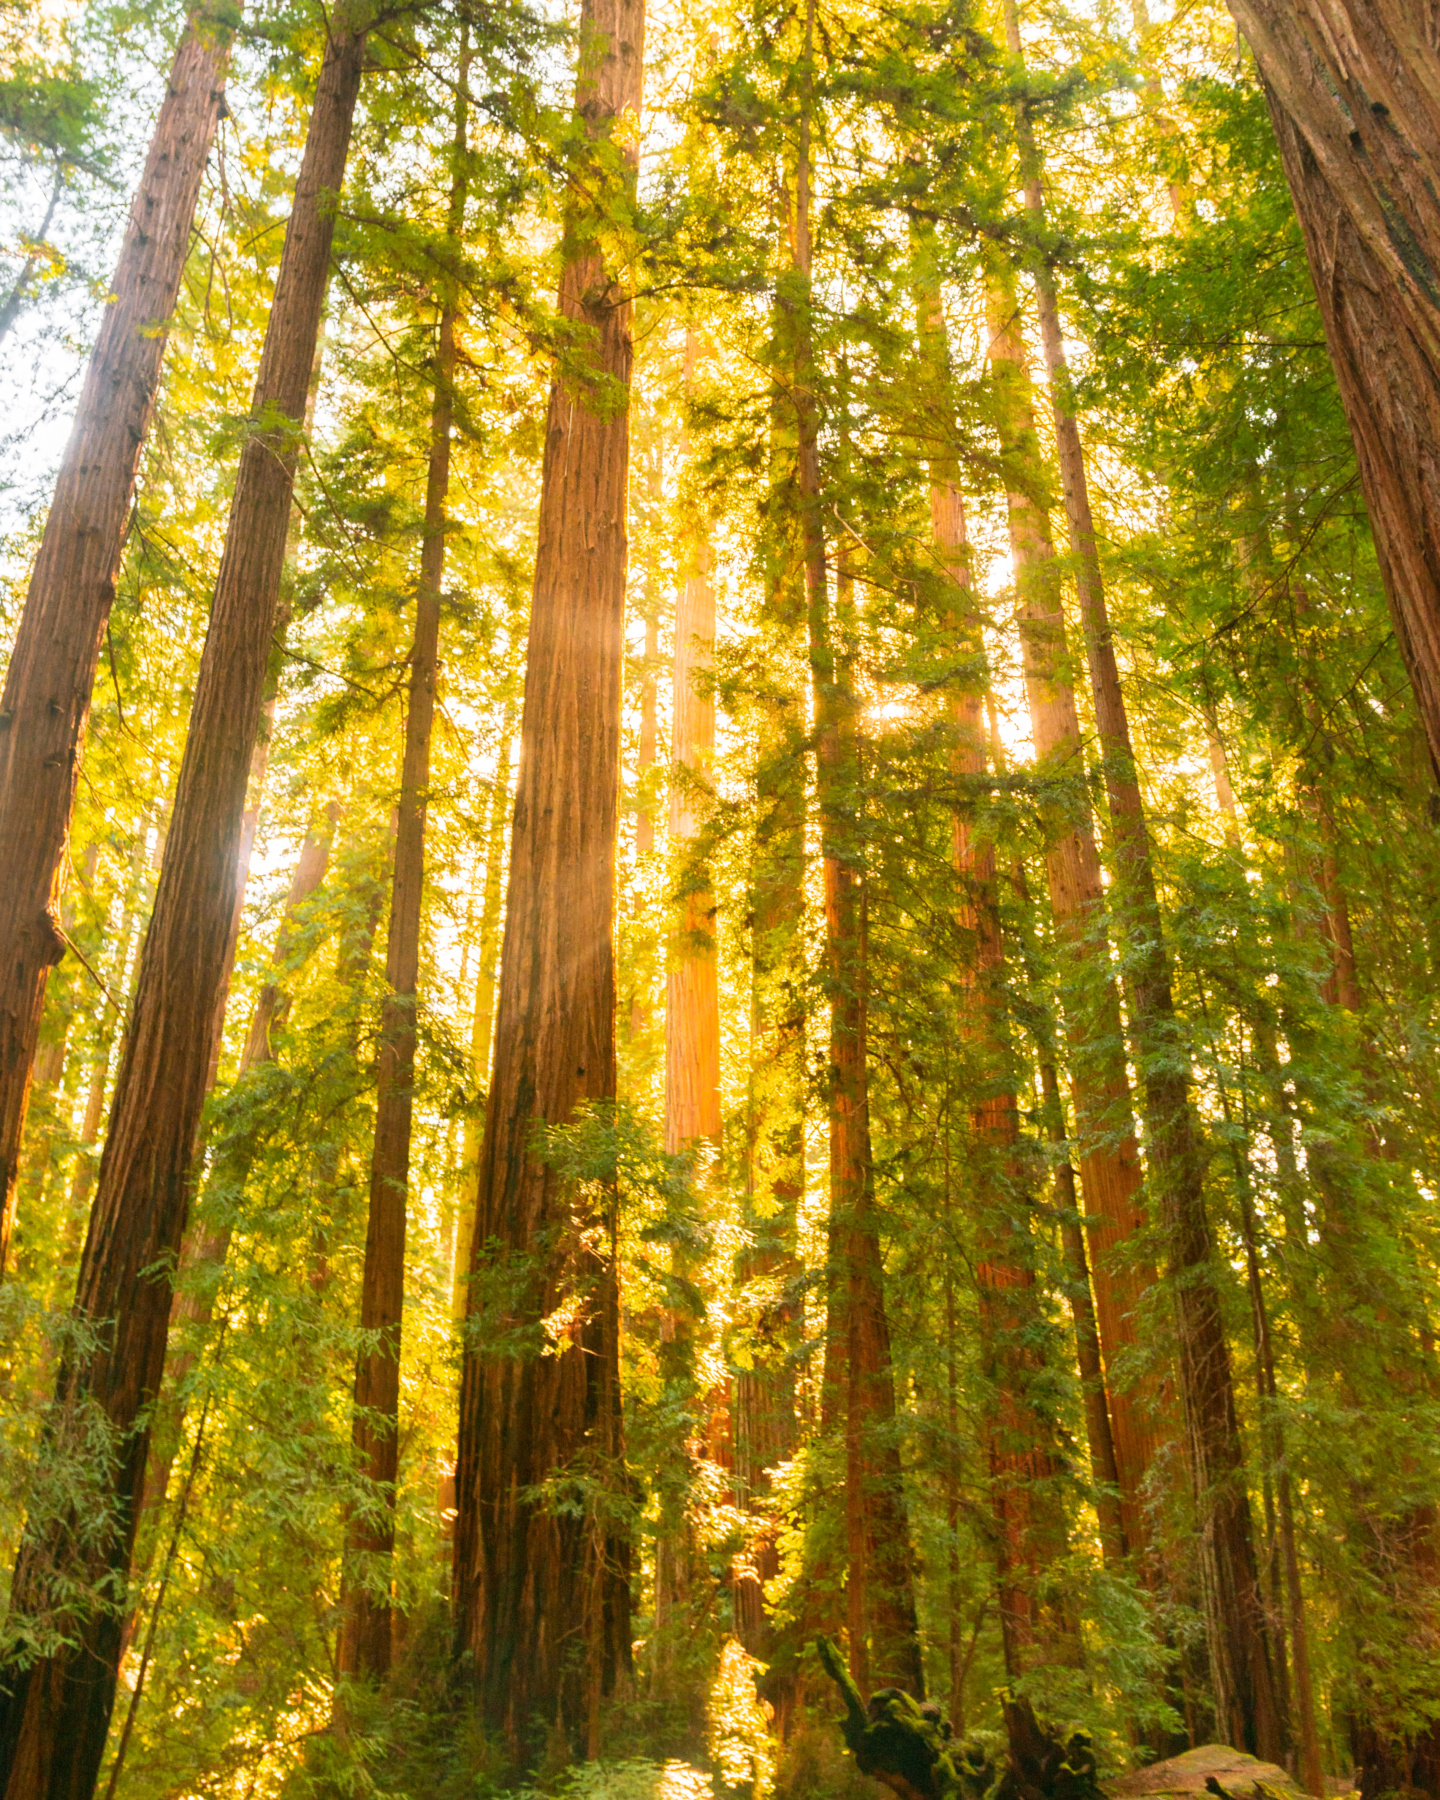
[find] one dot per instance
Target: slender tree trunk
(1247, 1696)
(52, 667)
(206, 1248)
(541, 1595)
(482, 1017)
(1354, 94)
(1104, 1468)
(1109, 1164)
(365, 1634)
(54, 1714)
(1028, 1531)
(767, 1270)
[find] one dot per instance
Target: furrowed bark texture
(51, 673)
(1247, 1697)
(1354, 94)
(54, 1715)
(541, 1596)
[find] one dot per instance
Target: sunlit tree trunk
(51, 672)
(541, 1595)
(1354, 94)
(54, 1714)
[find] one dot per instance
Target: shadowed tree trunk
(51, 672)
(54, 1714)
(1354, 94)
(541, 1594)
(364, 1647)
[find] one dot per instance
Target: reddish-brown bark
(51, 673)
(1354, 93)
(541, 1594)
(55, 1713)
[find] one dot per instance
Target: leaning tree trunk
(1354, 93)
(52, 666)
(1247, 1697)
(54, 1714)
(541, 1593)
(364, 1645)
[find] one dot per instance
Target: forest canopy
(721, 905)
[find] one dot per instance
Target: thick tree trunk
(541, 1594)
(482, 1018)
(1247, 1697)
(52, 667)
(364, 1646)
(54, 1714)
(1354, 93)
(1110, 1173)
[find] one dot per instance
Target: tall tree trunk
(1247, 1696)
(1354, 94)
(880, 1587)
(541, 1595)
(1028, 1531)
(51, 672)
(54, 1714)
(1109, 1164)
(364, 1647)
(767, 1270)
(482, 1017)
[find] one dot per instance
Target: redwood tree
(52, 666)
(541, 1590)
(1354, 94)
(55, 1707)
